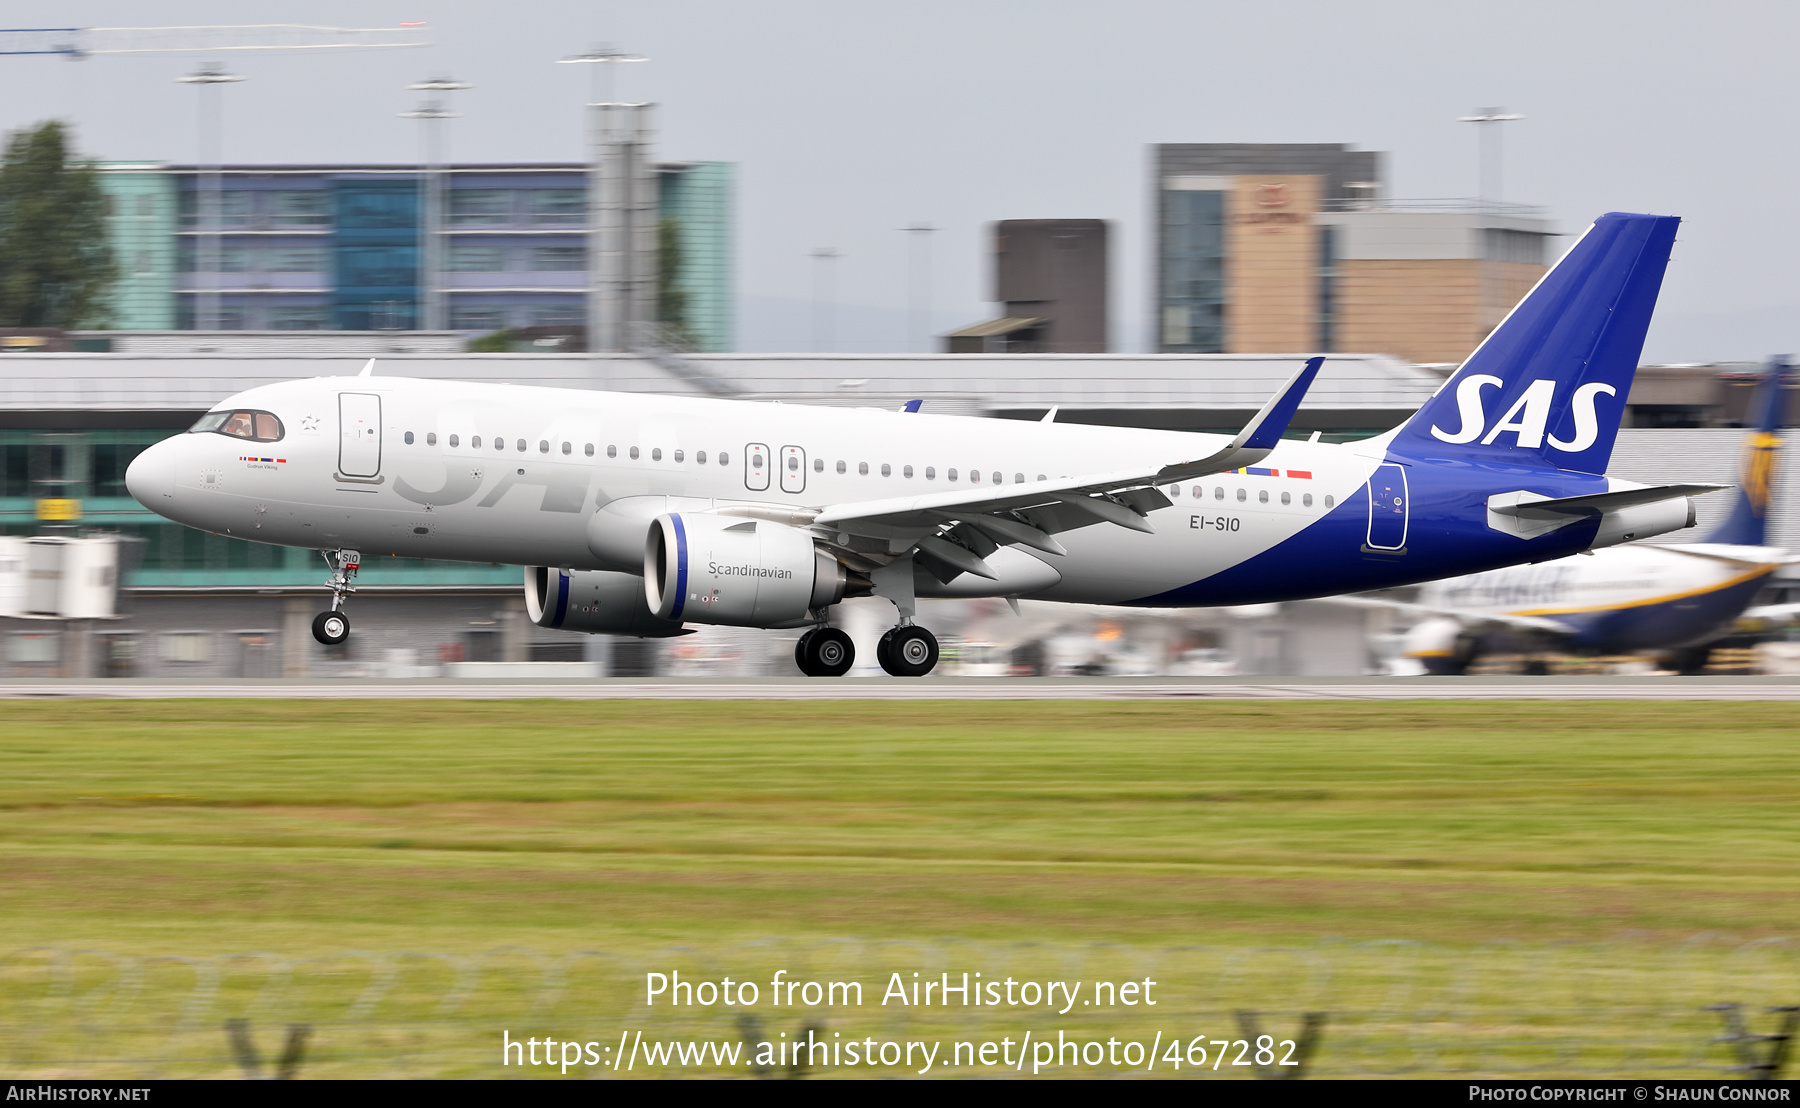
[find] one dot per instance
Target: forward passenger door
(359, 434)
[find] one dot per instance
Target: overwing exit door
(793, 469)
(756, 467)
(359, 434)
(1387, 507)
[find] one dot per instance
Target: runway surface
(948, 688)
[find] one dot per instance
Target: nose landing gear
(907, 651)
(333, 627)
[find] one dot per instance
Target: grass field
(314, 828)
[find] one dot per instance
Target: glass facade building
(141, 217)
(697, 197)
(337, 247)
(1192, 271)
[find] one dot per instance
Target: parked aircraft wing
(1734, 555)
(1471, 620)
(1122, 497)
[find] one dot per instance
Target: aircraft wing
(1735, 555)
(1472, 620)
(1031, 512)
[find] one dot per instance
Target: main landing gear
(824, 652)
(333, 627)
(905, 651)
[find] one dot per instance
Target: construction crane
(85, 42)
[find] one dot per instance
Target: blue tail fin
(1549, 385)
(1748, 524)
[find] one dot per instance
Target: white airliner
(1673, 601)
(640, 514)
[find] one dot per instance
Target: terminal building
(344, 247)
(1297, 247)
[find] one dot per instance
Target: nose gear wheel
(331, 628)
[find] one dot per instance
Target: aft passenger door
(359, 434)
(1387, 507)
(756, 467)
(793, 469)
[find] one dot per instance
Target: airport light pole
(1488, 120)
(207, 195)
(600, 59)
(431, 115)
(824, 258)
(918, 243)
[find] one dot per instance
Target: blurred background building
(337, 247)
(1050, 277)
(1295, 247)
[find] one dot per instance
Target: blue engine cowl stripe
(681, 569)
(562, 597)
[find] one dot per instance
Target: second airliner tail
(1748, 523)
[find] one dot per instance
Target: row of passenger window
(1262, 495)
(862, 468)
(568, 448)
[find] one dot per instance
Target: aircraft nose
(150, 478)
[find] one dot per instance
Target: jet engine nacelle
(740, 572)
(593, 600)
(1641, 521)
(1442, 646)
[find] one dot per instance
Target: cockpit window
(255, 426)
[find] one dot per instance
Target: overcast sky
(850, 120)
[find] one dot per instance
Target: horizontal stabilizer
(1527, 505)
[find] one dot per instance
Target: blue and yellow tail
(1549, 384)
(1748, 523)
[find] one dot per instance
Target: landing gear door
(757, 464)
(1387, 508)
(359, 434)
(793, 469)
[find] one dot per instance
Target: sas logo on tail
(1527, 416)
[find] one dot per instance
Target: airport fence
(1704, 1008)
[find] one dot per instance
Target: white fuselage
(516, 474)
